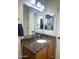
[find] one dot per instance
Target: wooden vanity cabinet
(47, 52)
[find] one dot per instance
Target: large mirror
(46, 22)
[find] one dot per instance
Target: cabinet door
(26, 54)
(42, 54)
(51, 51)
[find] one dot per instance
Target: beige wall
(58, 35)
(25, 20)
(20, 8)
(19, 49)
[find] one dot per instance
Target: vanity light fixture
(33, 2)
(38, 4)
(42, 7)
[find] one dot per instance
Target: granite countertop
(33, 46)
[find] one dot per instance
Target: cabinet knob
(25, 56)
(51, 57)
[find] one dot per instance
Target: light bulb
(42, 7)
(38, 4)
(33, 2)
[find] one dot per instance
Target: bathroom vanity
(33, 48)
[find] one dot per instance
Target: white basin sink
(41, 41)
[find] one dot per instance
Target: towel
(20, 30)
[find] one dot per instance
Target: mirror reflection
(46, 22)
(49, 20)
